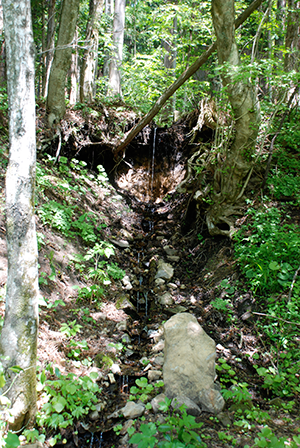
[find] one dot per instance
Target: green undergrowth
(61, 189)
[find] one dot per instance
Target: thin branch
(275, 317)
(293, 283)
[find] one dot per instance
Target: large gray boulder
(189, 363)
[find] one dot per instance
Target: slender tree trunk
(74, 72)
(292, 40)
(56, 106)
(49, 47)
(178, 83)
(238, 162)
(19, 334)
(280, 23)
(90, 57)
(117, 56)
(2, 49)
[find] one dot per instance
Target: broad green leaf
(59, 403)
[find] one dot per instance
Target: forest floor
(117, 327)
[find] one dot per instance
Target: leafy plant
(68, 398)
(267, 250)
(70, 329)
(177, 430)
(142, 389)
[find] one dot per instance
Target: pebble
(154, 375)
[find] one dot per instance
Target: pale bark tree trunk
(56, 105)
(74, 72)
(114, 81)
(19, 334)
(238, 162)
(49, 48)
(90, 57)
(292, 40)
(2, 49)
(280, 23)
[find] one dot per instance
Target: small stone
(121, 243)
(126, 339)
(94, 415)
(170, 251)
(158, 361)
(191, 407)
(159, 282)
(159, 346)
(172, 286)
(126, 283)
(155, 402)
(121, 326)
(182, 287)
(115, 368)
(224, 419)
(173, 258)
(100, 406)
(154, 375)
(166, 299)
(111, 378)
(133, 410)
(164, 270)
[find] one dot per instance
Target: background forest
(217, 81)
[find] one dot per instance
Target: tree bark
(49, 48)
(19, 334)
(56, 106)
(117, 56)
(181, 80)
(244, 103)
(89, 63)
(74, 72)
(292, 41)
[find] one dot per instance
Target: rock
(155, 402)
(177, 309)
(115, 368)
(158, 361)
(173, 258)
(189, 363)
(224, 419)
(166, 299)
(126, 282)
(94, 415)
(125, 338)
(111, 378)
(159, 346)
(133, 410)
(121, 243)
(121, 326)
(100, 406)
(172, 285)
(159, 282)
(211, 400)
(126, 234)
(123, 302)
(191, 407)
(170, 251)
(164, 270)
(154, 375)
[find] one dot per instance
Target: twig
(293, 283)
(275, 317)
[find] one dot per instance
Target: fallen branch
(179, 81)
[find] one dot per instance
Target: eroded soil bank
(144, 220)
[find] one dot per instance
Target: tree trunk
(56, 106)
(89, 63)
(2, 50)
(49, 48)
(292, 41)
(19, 334)
(117, 56)
(74, 72)
(179, 81)
(280, 23)
(238, 162)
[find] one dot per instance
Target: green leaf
(59, 403)
(274, 266)
(11, 440)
